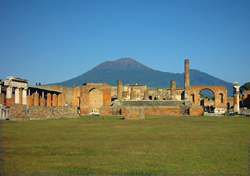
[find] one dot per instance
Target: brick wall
(196, 111)
(134, 113)
(162, 111)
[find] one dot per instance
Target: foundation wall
(196, 111)
(23, 112)
(162, 111)
(106, 111)
(133, 113)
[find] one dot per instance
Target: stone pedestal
(29, 100)
(42, 101)
(59, 99)
(48, 100)
(54, 100)
(36, 99)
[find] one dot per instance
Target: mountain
(246, 86)
(131, 71)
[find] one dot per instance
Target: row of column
(20, 97)
(51, 100)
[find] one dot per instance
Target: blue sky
(53, 41)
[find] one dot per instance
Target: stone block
(133, 113)
(106, 111)
(162, 111)
(196, 111)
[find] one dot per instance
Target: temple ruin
(133, 101)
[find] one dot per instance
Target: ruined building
(131, 100)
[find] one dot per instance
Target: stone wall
(18, 112)
(23, 112)
(134, 113)
(156, 103)
(162, 111)
(106, 111)
(196, 111)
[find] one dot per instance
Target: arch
(150, 97)
(219, 92)
(95, 99)
(207, 99)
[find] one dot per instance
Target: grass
(110, 145)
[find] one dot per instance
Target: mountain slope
(131, 71)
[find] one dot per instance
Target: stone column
(54, 100)
(20, 96)
(36, 99)
(59, 98)
(42, 100)
(8, 96)
(187, 80)
(48, 99)
(119, 90)
(17, 96)
(173, 90)
(236, 97)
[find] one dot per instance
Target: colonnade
(19, 96)
(22, 96)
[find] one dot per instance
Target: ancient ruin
(133, 101)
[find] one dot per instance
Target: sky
(50, 41)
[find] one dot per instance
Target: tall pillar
(17, 96)
(24, 96)
(173, 90)
(236, 97)
(119, 90)
(54, 100)
(20, 96)
(8, 96)
(48, 99)
(36, 99)
(187, 79)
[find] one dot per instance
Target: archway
(95, 99)
(206, 99)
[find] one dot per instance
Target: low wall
(156, 103)
(134, 113)
(23, 112)
(162, 111)
(196, 111)
(106, 111)
(18, 112)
